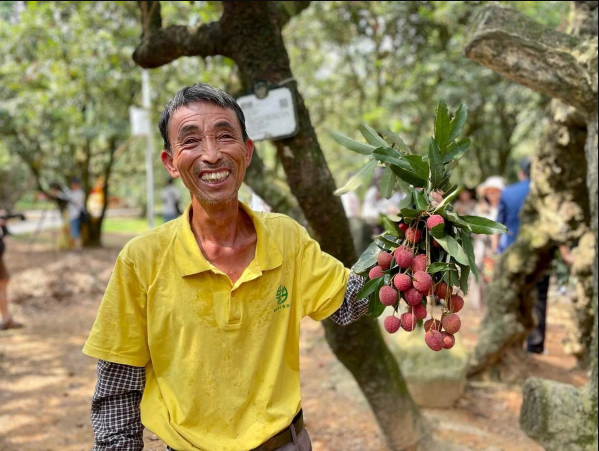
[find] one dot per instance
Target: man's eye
(225, 136)
(190, 141)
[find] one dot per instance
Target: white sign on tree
(140, 121)
(271, 117)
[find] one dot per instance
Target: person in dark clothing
(512, 199)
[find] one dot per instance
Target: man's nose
(210, 153)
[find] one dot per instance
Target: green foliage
(455, 258)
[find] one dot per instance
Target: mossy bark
(558, 416)
(250, 34)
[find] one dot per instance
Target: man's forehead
(203, 115)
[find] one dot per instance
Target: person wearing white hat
(489, 195)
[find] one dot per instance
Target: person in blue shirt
(512, 200)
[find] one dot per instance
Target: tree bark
(564, 67)
(250, 34)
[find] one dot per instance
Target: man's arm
(352, 308)
(115, 413)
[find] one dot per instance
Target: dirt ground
(46, 382)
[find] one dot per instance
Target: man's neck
(221, 224)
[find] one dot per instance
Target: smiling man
(197, 335)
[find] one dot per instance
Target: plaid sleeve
(115, 407)
(352, 309)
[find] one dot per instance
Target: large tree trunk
(555, 212)
(558, 416)
(250, 34)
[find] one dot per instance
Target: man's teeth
(215, 177)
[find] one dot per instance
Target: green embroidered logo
(282, 294)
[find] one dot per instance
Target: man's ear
(249, 151)
(167, 161)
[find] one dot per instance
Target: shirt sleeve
(115, 414)
(119, 334)
(323, 279)
(501, 212)
(352, 308)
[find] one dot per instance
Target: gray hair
(198, 93)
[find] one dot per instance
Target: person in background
(8, 321)
(466, 202)
(170, 199)
(76, 211)
(512, 200)
(489, 194)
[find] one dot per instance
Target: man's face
(208, 152)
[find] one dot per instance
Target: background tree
(563, 66)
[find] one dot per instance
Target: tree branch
(167, 44)
(543, 59)
(286, 10)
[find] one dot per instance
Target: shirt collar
(189, 257)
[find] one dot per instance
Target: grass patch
(129, 226)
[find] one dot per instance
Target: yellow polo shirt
(221, 359)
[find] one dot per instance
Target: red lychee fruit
(403, 227)
(403, 257)
(413, 236)
(455, 303)
(375, 272)
(422, 281)
(408, 321)
(448, 340)
(440, 290)
(434, 340)
(388, 295)
(392, 324)
(419, 311)
(413, 296)
(432, 324)
(419, 264)
(384, 260)
(434, 220)
(402, 282)
(451, 323)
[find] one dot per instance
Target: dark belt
(283, 437)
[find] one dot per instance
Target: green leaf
(409, 213)
(453, 248)
(436, 163)
(454, 278)
(387, 184)
(390, 227)
(408, 176)
(457, 123)
(375, 308)
(456, 150)
(420, 200)
(457, 221)
(385, 242)
(464, 274)
(363, 174)
(367, 259)
(390, 156)
(484, 226)
(438, 231)
(370, 287)
(442, 127)
(448, 198)
(469, 249)
(419, 166)
(394, 218)
(348, 143)
(406, 202)
(437, 267)
(371, 135)
(394, 138)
